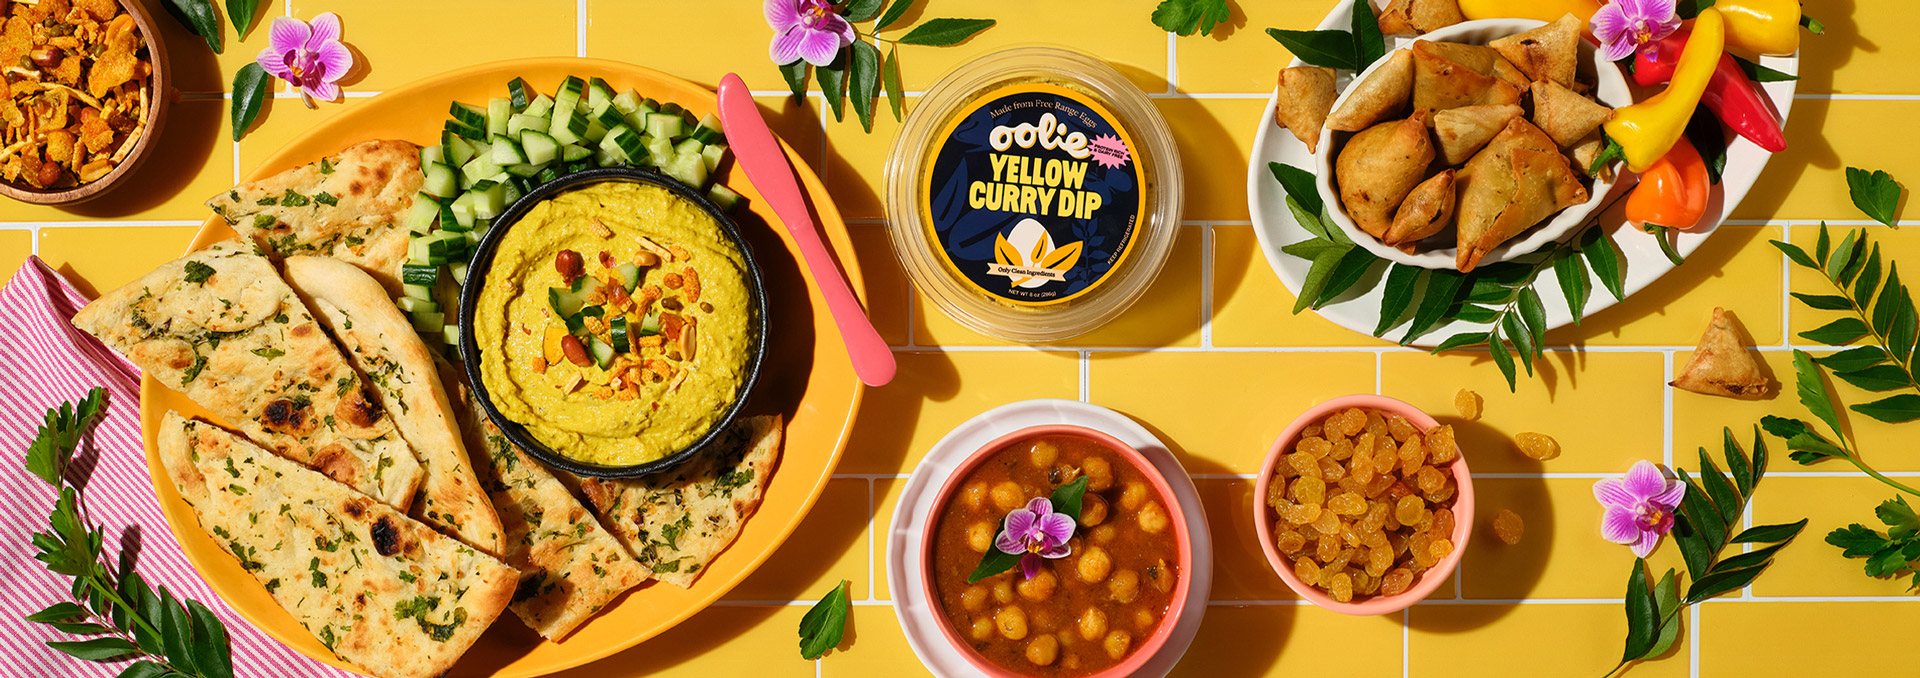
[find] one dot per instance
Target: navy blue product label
(1035, 195)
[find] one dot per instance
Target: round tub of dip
(1033, 194)
(615, 322)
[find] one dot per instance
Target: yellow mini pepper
(1541, 10)
(1762, 26)
(1647, 130)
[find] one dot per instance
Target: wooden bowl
(159, 99)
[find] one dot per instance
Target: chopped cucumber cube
(498, 110)
(468, 114)
(565, 302)
(421, 292)
(410, 304)
(424, 212)
(441, 181)
(522, 93)
(432, 154)
(540, 147)
(723, 197)
(428, 321)
(713, 154)
(602, 352)
(540, 106)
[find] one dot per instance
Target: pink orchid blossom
(308, 56)
(1625, 25)
(1037, 532)
(806, 29)
(1639, 506)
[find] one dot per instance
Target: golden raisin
(1439, 548)
(1441, 447)
(1304, 464)
(1310, 490)
(1347, 504)
(1301, 514)
(1307, 570)
(1508, 526)
(1327, 523)
(1467, 403)
(1396, 582)
(1413, 455)
(1429, 479)
(1326, 548)
(1537, 446)
(1401, 428)
(1409, 509)
(1443, 522)
(1347, 422)
(1342, 588)
(1290, 542)
(1315, 446)
(1379, 558)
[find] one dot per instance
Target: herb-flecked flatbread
(220, 326)
(382, 344)
(679, 521)
(348, 206)
(570, 566)
(381, 590)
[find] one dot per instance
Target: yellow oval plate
(807, 377)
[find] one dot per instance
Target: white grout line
(1666, 410)
(1086, 376)
(872, 517)
(1693, 642)
(580, 29)
(1173, 63)
(1207, 269)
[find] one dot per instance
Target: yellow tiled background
(1211, 359)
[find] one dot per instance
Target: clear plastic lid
(1034, 194)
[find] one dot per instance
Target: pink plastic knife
(766, 165)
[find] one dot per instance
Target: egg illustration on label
(1028, 256)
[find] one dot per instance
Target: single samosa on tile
(1306, 97)
(1487, 185)
(1565, 115)
(1725, 363)
(1450, 75)
(1383, 94)
(1463, 131)
(1379, 167)
(1427, 210)
(1550, 52)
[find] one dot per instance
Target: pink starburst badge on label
(1109, 151)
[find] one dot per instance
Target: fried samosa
(1383, 94)
(1414, 17)
(1543, 185)
(1564, 114)
(1588, 150)
(1379, 167)
(1450, 75)
(1550, 52)
(1306, 97)
(1463, 131)
(1487, 186)
(1427, 210)
(1724, 364)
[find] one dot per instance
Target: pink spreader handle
(755, 149)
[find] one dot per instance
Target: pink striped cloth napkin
(44, 361)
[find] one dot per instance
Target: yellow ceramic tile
(191, 160)
(98, 259)
(396, 43)
(616, 30)
(709, 644)
(1117, 30)
(195, 68)
(887, 287)
(798, 125)
(1698, 421)
(1240, 569)
(284, 119)
(1251, 307)
(886, 499)
(1808, 180)
(1204, 404)
(934, 392)
(1214, 135)
(828, 546)
(1745, 639)
(1242, 58)
(15, 246)
(875, 646)
(1864, 50)
(1897, 246)
(1603, 408)
(856, 160)
(1530, 641)
(1736, 269)
(1560, 554)
(1810, 567)
(1291, 640)
(1167, 315)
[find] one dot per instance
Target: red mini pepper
(1730, 94)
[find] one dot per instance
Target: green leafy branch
(119, 616)
(860, 72)
(1887, 554)
(1703, 529)
(1187, 17)
(1345, 50)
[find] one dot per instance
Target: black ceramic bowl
(483, 259)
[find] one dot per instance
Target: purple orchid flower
(1037, 532)
(1639, 506)
(806, 29)
(1625, 25)
(308, 56)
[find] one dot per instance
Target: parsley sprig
(113, 609)
(1187, 17)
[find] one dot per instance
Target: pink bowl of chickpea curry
(1090, 592)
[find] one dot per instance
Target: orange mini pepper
(1673, 192)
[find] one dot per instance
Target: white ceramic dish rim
(919, 624)
(1611, 89)
(1641, 258)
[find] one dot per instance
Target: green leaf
(1813, 391)
(1843, 254)
(1299, 185)
(1309, 249)
(1486, 291)
(1605, 261)
(1066, 498)
(1868, 281)
(1689, 9)
(1534, 312)
(1474, 313)
(994, 562)
(1754, 558)
(1893, 301)
(241, 12)
(1331, 49)
(894, 12)
(95, 649)
(1571, 271)
(1899, 517)
(1516, 332)
(1799, 256)
(1824, 302)
(210, 648)
(1759, 465)
(825, 624)
(79, 628)
(1442, 288)
(1666, 598)
(1693, 546)
(251, 89)
(1352, 267)
(1461, 340)
(1736, 462)
(1707, 136)
(1368, 44)
(60, 432)
(832, 79)
(1312, 222)
(60, 611)
(1893, 410)
(1402, 282)
(1759, 73)
(890, 81)
(796, 76)
(944, 32)
(1186, 17)
(1317, 276)
(1716, 583)
(1876, 378)
(1875, 193)
(1720, 490)
(864, 81)
(1767, 534)
(1498, 351)
(200, 18)
(862, 10)
(1813, 25)
(1822, 245)
(1857, 540)
(144, 669)
(1643, 613)
(1837, 333)
(1853, 359)
(1887, 562)
(1900, 335)
(1699, 512)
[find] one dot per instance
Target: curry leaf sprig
(1187, 17)
(1881, 311)
(1345, 50)
(825, 624)
(1703, 530)
(861, 72)
(113, 609)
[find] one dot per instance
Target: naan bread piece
(1543, 185)
(381, 343)
(1550, 52)
(1463, 131)
(1428, 210)
(1486, 186)
(1383, 94)
(349, 206)
(379, 589)
(570, 566)
(1306, 97)
(1450, 75)
(1724, 364)
(1414, 17)
(1379, 167)
(220, 326)
(677, 522)
(1565, 115)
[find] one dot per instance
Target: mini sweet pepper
(1762, 26)
(1731, 95)
(1673, 192)
(1647, 130)
(1540, 10)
